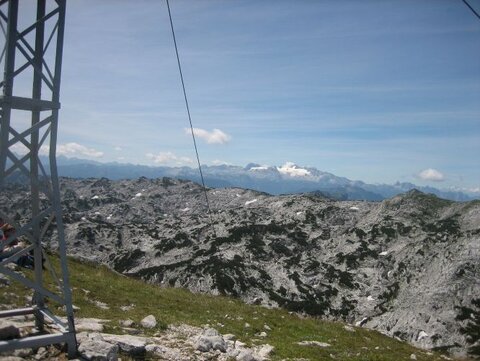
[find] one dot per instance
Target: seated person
(2, 225)
(25, 260)
(12, 247)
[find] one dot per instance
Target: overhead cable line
(472, 9)
(190, 119)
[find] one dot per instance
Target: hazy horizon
(379, 91)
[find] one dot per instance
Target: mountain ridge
(289, 178)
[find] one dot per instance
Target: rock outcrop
(180, 342)
(407, 266)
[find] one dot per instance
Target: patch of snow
(185, 209)
(95, 197)
(83, 219)
(370, 298)
(138, 195)
(422, 335)
(263, 167)
(238, 195)
(354, 208)
(97, 213)
(361, 322)
(299, 213)
(292, 170)
(250, 202)
(384, 253)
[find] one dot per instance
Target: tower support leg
(38, 63)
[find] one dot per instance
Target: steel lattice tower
(32, 60)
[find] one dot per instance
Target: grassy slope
(176, 306)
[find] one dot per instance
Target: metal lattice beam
(19, 154)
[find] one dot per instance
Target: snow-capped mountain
(287, 178)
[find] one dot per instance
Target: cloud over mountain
(74, 149)
(431, 174)
(216, 136)
(293, 170)
(168, 158)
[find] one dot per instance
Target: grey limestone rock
(400, 266)
(264, 351)
(126, 323)
(89, 324)
(132, 345)
(94, 348)
(149, 322)
(246, 355)
(211, 340)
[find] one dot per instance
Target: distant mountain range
(287, 179)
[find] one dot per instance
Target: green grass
(177, 306)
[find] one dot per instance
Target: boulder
(94, 348)
(89, 324)
(166, 353)
(264, 351)
(149, 322)
(210, 340)
(246, 355)
(132, 345)
(8, 332)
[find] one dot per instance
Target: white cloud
(292, 170)
(216, 136)
(168, 157)
(466, 189)
(118, 149)
(220, 162)
(19, 149)
(431, 174)
(75, 149)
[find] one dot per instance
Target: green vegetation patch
(171, 306)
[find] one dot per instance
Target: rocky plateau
(408, 266)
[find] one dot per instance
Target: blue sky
(372, 90)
